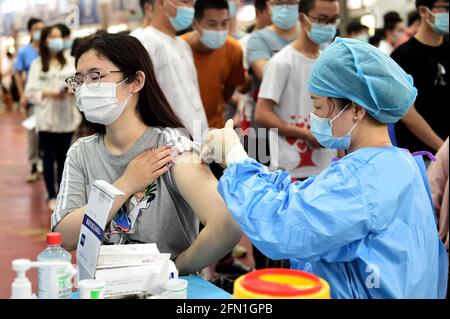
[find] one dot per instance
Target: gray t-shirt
(162, 216)
(262, 45)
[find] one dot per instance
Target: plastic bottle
(54, 282)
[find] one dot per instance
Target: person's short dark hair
(355, 26)
(427, 3)
(413, 16)
(32, 22)
(144, 2)
(202, 5)
(261, 5)
(65, 31)
(391, 19)
(307, 5)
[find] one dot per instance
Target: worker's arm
(421, 129)
(198, 186)
(325, 217)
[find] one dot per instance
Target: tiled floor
(24, 217)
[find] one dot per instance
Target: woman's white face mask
(100, 105)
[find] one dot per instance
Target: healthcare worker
(366, 224)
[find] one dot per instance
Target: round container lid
(265, 282)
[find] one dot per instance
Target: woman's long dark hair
(44, 51)
(130, 56)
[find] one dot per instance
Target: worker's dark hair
(130, 56)
(261, 5)
(64, 30)
(32, 22)
(202, 5)
(44, 51)
(355, 26)
(427, 3)
(144, 2)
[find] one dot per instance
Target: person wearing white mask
(284, 102)
(57, 117)
(140, 149)
(174, 63)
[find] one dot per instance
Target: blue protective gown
(366, 224)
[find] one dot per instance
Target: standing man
(173, 62)
(147, 15)
(425, 57)
(393, 31)
(217, 56)
(25, 58)
(261, 46)
(284, 101)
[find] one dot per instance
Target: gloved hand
(223, 146)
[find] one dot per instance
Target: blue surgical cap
(359, 72)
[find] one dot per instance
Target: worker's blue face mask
(285, 16)
(213, 39)
(440, 24)
(322, 129)
(183, 19)
(321, 33)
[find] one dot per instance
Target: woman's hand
(145, 169)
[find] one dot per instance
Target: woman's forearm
(70, 225)
(215, 241)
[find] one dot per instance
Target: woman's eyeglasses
(91, 79)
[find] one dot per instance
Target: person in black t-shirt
(425, 57)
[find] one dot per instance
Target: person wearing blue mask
(57, 117)
(284, 102)
(174, 63)
(366, 224)
(425, 57)
(217, 56)
(357, 30)
(24, 59)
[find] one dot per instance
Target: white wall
(403, 7)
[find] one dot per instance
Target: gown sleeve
(325, 217)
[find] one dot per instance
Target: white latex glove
(223, 146)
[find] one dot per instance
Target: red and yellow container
(280, 284)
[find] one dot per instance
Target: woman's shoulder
(178, 137)
(83, 146)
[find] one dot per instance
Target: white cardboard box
(125, 268)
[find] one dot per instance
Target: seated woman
(168, 190)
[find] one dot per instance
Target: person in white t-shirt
(174, 62)
(147, 13)
(284, 102)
